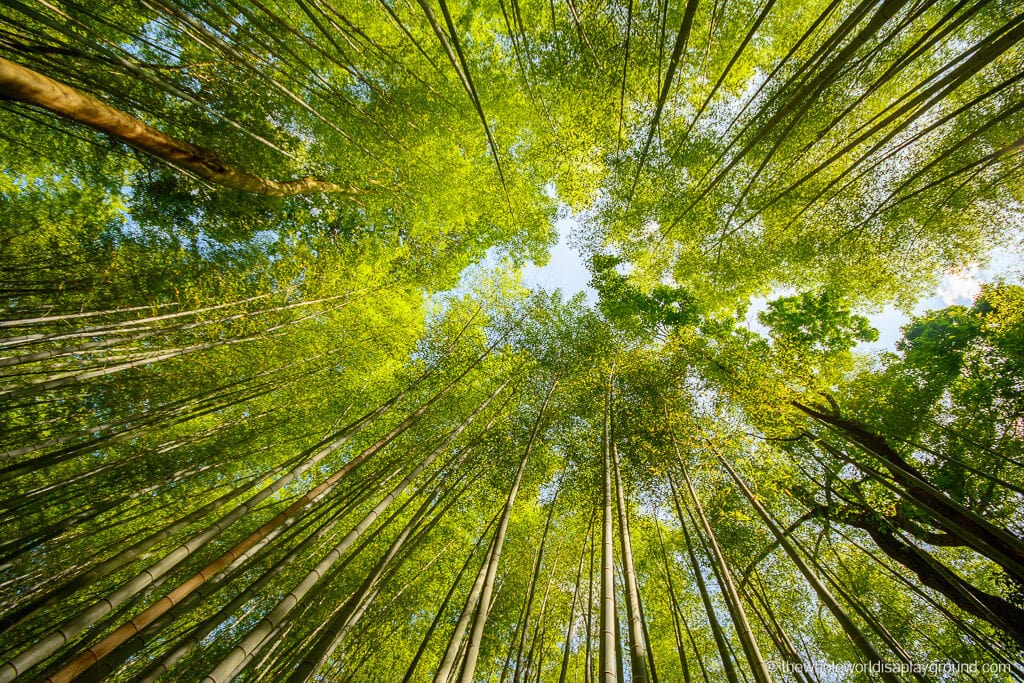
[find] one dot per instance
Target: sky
(954, 289)
(567, 271)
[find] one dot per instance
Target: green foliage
(627, 307)
(815, 333)
(816, 324)
(306, 415)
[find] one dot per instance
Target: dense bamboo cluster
(295, 551)
(291, 430)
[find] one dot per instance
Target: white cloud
(959, 288)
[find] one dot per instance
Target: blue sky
(566, 271)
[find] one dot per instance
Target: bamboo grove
(275, 405)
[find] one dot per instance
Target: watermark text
(840, 670)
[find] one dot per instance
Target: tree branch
(25, 85)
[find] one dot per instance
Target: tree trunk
(848, 625)
(709, 609)
(322, 521)
(540, 630)
(608, 652)
(24, 85)
(351, 611)
(674, 602)
(731, 595)
(588, 659)
(637, 643)
(774, 628)
(444, 604)
(476, 635)
(999, 545)
(196, 635)
(991, 608)
(535, 575)
(571, 632)
(858, 607)
(244, 651)
(51, 643)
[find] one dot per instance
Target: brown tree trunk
(25, 85)
(999, 545)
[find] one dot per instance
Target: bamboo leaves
(279, 434)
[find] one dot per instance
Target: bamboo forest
(283, 398)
